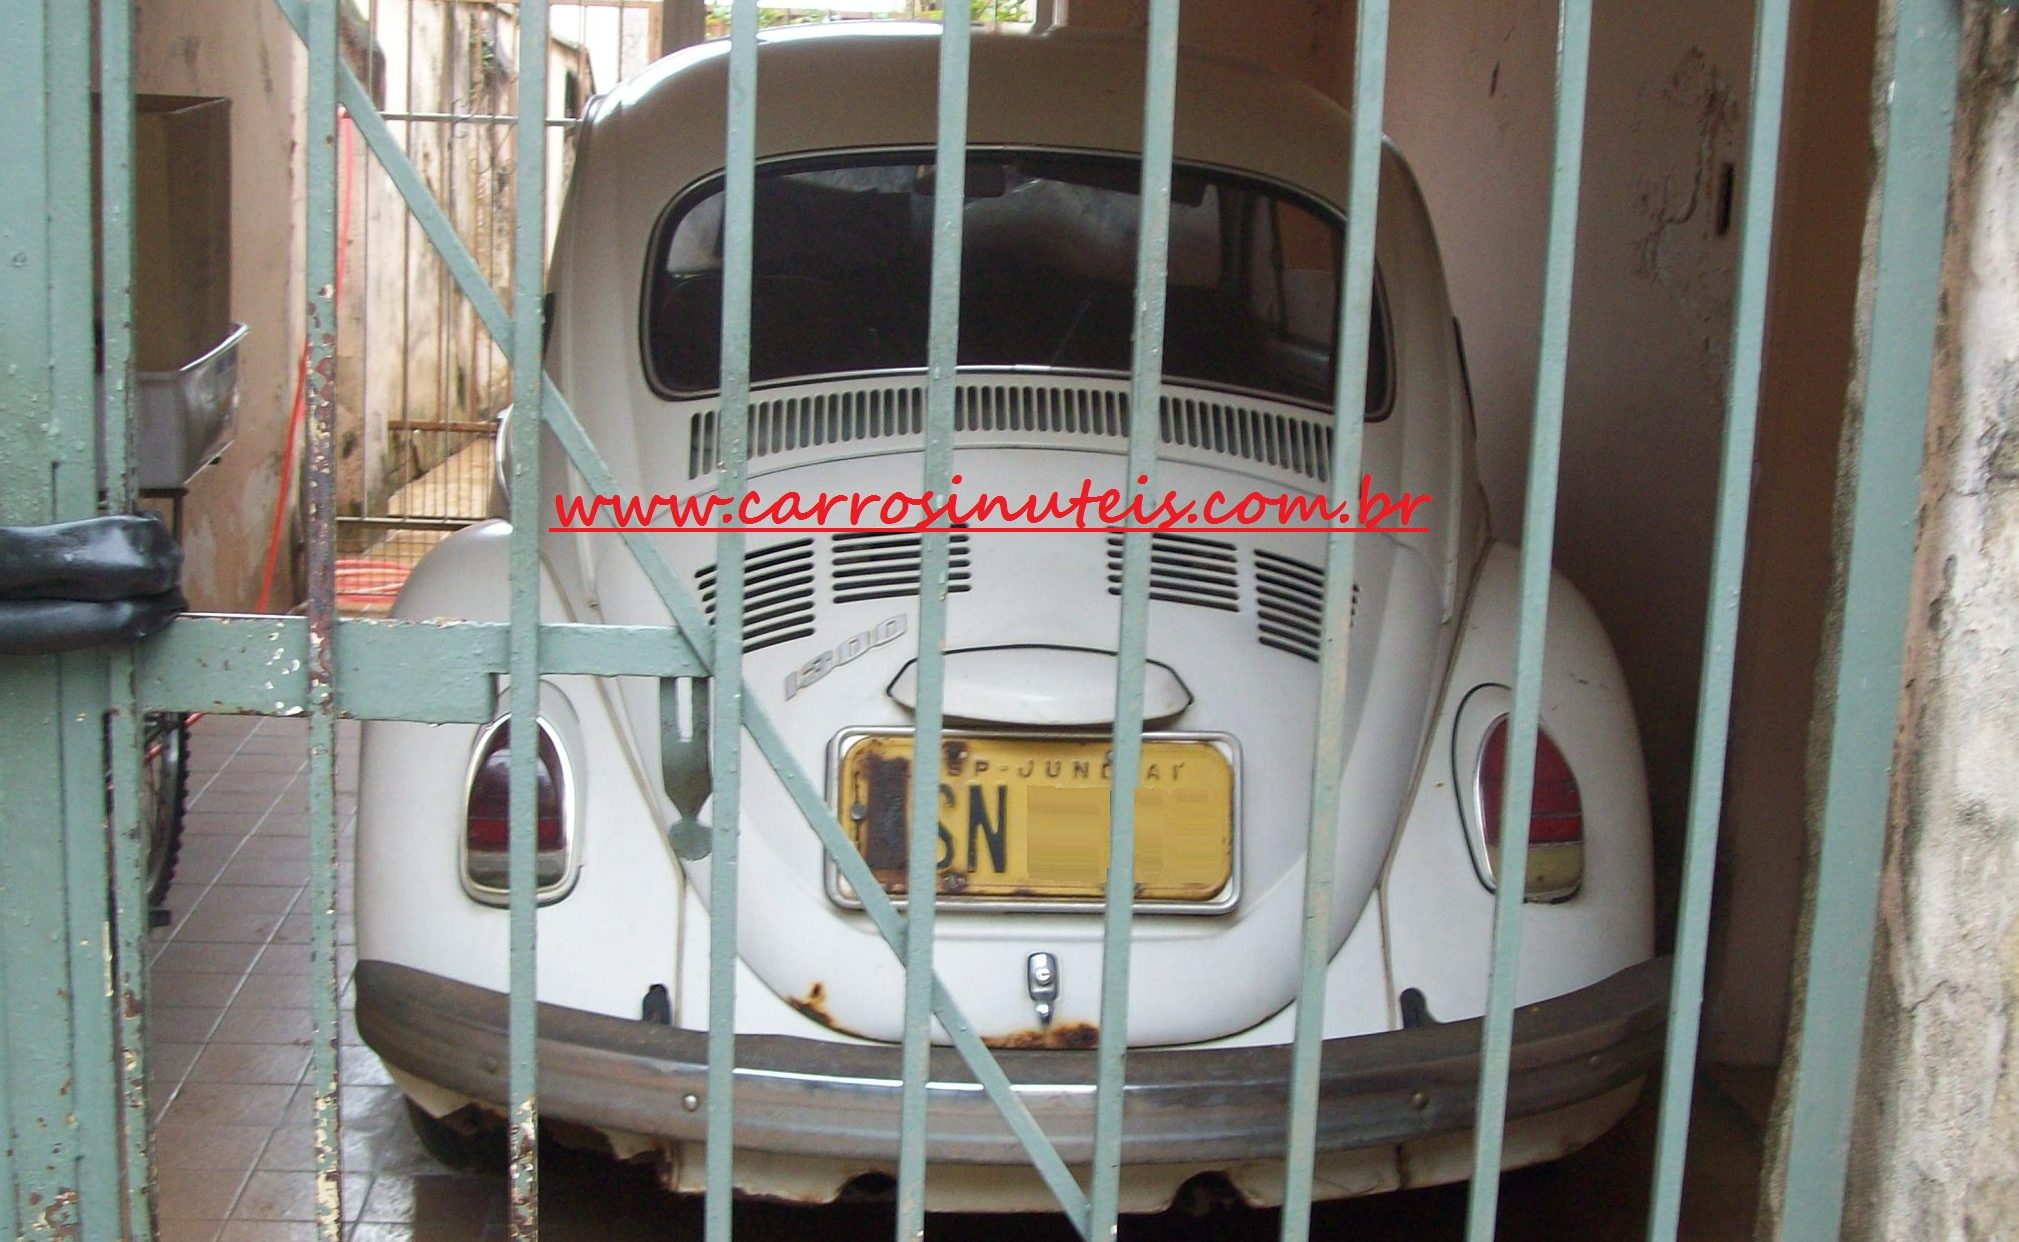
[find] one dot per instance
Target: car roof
(875, 85)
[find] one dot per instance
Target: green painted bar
(739, 202)
(526, 656)
(125, 735)
(614, 651)
(1356, 308)
(84, 675)
(253, 664)
(1728, 550)
(1903, 300)
(87, 876)
(942, 363)
(319, 507)
(529, 251)
(1537, 540)
(1153, 232)
(693, 629)
(40, 1153)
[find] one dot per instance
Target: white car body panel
(1435, 619)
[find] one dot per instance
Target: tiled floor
(229, 1030)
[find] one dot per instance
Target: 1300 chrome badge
(848, 651)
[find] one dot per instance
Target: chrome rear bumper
(1181, 1105)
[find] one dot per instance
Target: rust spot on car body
(814, 1004)
(882, 834)
(1071, 1035)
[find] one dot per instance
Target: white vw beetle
(844, 199)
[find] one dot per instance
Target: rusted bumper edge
(1182, 1105)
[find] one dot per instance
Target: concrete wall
(1311, 40)
(244, 50)
(1936, 1153)
(411, 347)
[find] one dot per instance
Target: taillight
(487, 822)
(1556, 814)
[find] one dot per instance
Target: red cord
(300, 407)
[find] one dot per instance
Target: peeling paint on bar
(319, 505)
(529, 233)
(213, 664)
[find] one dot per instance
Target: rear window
(843, 255)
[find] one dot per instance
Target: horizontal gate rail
(254, 664)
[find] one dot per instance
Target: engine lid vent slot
(1185, 569)
(1287, 439)
(777, 593)
(880, 565)
(1290, 604)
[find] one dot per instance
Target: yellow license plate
(1026, 818)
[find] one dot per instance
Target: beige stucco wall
(1936, 1146)
(244, 50)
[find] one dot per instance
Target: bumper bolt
(690, 1101)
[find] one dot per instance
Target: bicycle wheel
(164, 789)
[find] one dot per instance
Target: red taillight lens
(487, 823)
(1556, 812)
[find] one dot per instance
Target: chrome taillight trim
(571, 854)
(1484, 707)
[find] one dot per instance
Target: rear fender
(1438, 907)
(616, 931)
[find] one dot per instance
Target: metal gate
(77, 1160)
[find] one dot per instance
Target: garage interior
(1469, 104)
